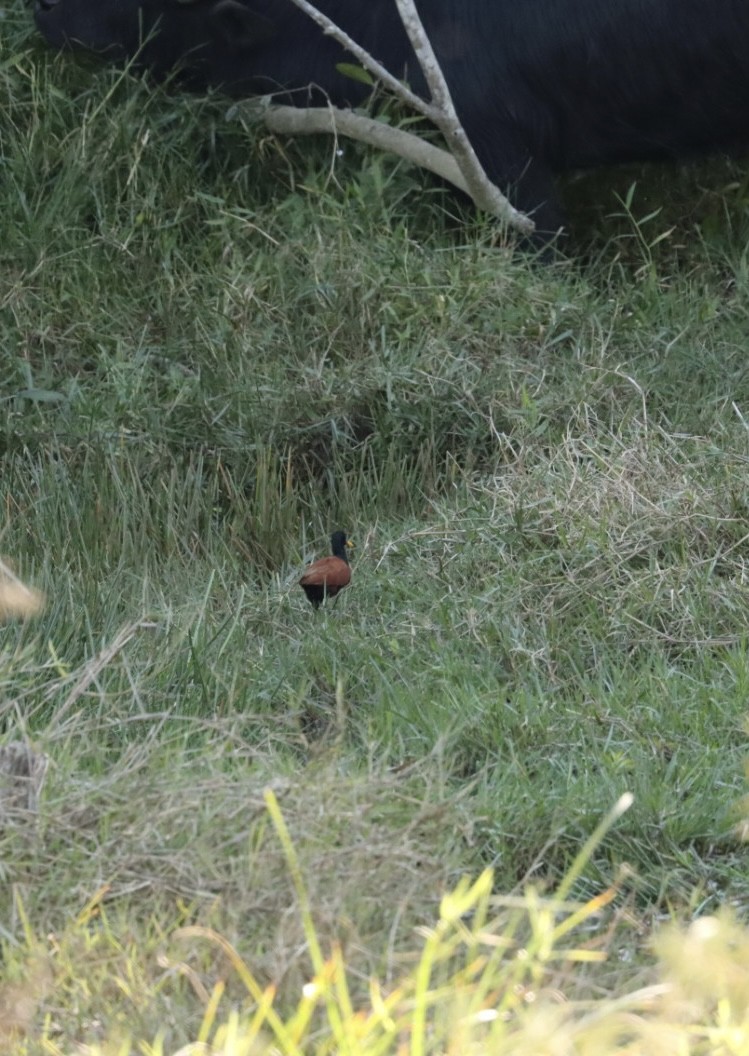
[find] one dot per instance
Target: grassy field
(216, 348)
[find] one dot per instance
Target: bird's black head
(339, 545)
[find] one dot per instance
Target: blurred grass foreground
(491, 975)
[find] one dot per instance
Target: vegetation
(217, 347)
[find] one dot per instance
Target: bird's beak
(349, 545)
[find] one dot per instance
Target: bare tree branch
(368, 61)
(292, 120)
(484, 193)
(441, 111)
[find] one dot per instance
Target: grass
(216, 348)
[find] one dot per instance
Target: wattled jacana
(324, 578)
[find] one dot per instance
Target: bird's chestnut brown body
(326, 577)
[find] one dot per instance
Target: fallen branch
(330, 29)
(440, 110)
(293, 121)
(484, 193)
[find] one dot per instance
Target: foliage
(217, 347)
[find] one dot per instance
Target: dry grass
(217, 349)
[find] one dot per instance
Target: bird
(324, 578)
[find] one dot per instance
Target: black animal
(540, 85)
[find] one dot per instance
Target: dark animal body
(539, 85)
(328, 576)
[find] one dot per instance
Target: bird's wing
(330, 570)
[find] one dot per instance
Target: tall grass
(217, 347)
